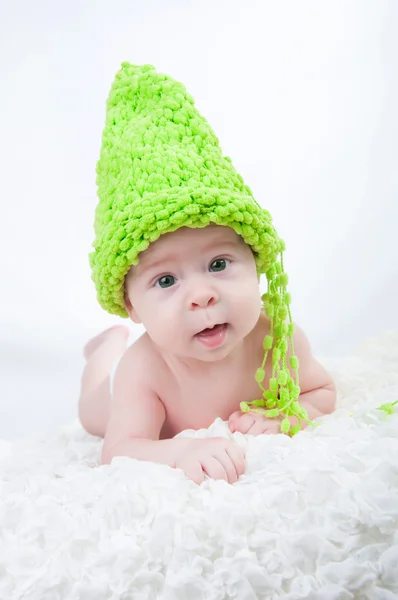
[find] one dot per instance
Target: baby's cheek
(166, 330)
(160, 330)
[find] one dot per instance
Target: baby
(180, 247)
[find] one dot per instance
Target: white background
(303, 96)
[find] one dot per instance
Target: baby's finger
(238, 458)
(214, 468)
(272, 426)
(235, 415)
(194, 471)
(243, 423)
(229, 466)
(259, 426)
(233, 419)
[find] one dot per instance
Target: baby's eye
(219, 264)
(166, 281)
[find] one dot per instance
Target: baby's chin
(213, 357)
(195, 352)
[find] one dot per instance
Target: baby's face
(190, 281)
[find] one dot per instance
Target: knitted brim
(132, 229)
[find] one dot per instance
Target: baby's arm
(318, 391)
(318, 394)
(136, 420)
(137, 416)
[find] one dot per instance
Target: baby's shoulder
(262, 328)
(141, 350)
(143, 359)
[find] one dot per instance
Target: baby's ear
(130, 309)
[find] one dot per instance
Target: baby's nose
(202, 297)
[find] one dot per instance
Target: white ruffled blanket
(314, 517)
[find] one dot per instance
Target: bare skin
(169, 380)
(184, 400)
(100, 354)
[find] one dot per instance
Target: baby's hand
(216, 457)
(253, 423)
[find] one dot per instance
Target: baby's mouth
(213, 336)
(214, 330)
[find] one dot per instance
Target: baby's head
(196, 292)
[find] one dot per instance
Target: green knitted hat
(161, 168)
